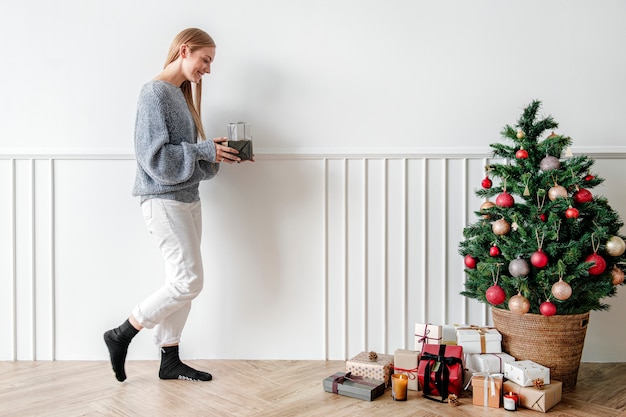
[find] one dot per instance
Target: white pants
(177, 228)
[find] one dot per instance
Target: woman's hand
(224, 153)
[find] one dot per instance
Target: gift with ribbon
(376, 366)
(487, 362)
(355, 386)
(426, 333)
(487, 389)
(440, 371)
(536, 399)
(405, 362)
(476, 339)
(524, 373)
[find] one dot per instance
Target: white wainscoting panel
(307, 256)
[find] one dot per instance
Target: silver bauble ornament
(558, 191)
(617, 276)
(615, 246)
(561, 290)
(519, 304)
(519, 267)
(500, 227)
(549, 163)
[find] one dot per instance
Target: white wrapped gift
(427, 334)
(476, 339)
(448, 333)
(523, 373)
(487, 362)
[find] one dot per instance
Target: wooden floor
(254, 388)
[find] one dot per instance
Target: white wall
(319, 81)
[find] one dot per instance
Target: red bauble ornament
(494, 251)
(572, 213)
(539, 259)
(547, 308)
(505, 200)
(470, 261)
(589, 177)
(543, 217)
(486, 183)
(495, 295)
(600, 264)
(582, 196)
(521, 154)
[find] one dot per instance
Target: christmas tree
(546, 244)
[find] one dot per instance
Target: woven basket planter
(555, 342)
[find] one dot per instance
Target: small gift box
(344, 383)
(427, 334)
(371, 365)
(476, 339)
(487, 362)
(440, 371)
(525, 372)
(487, 389)
(239, 138)
(534, 398)
(448, 333)
(405, 362)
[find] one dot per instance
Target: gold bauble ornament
(520, 134)
(486, 205)
(519, 304)
(558, 191)
(561, 290)
(501, 227)
(615, 246)
(617, 276)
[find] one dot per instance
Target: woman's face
(198, 63)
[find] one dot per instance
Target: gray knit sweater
(170, 161)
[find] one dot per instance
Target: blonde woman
(172, 158)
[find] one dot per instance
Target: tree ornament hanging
(495, 295)
(519, 267)
(505, 200)
(561, 290)
(558, 191)
(549, 163)
(547, 308)
(539, 259)
(572, 213)
(470, 261)
(494, 250)
(486, 205)
(615, 246)
(519, 304)
(486, 182)
(599, 265)
(520, 134)
(501, 227)
(588, 177)
(617, 276)
(582, 196)
(521, 153)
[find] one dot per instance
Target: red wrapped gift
(440, 371)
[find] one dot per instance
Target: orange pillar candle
(399, 385)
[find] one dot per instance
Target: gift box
(440, 371)
(344, 383)
(378, 368)
(476, 339)
(405, 362)
(487, 389)
(525, 372)
(487, 362)
(448, 333)
(426, 333)
(244, 147)
(534, 398)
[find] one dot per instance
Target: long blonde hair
(194, 39)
